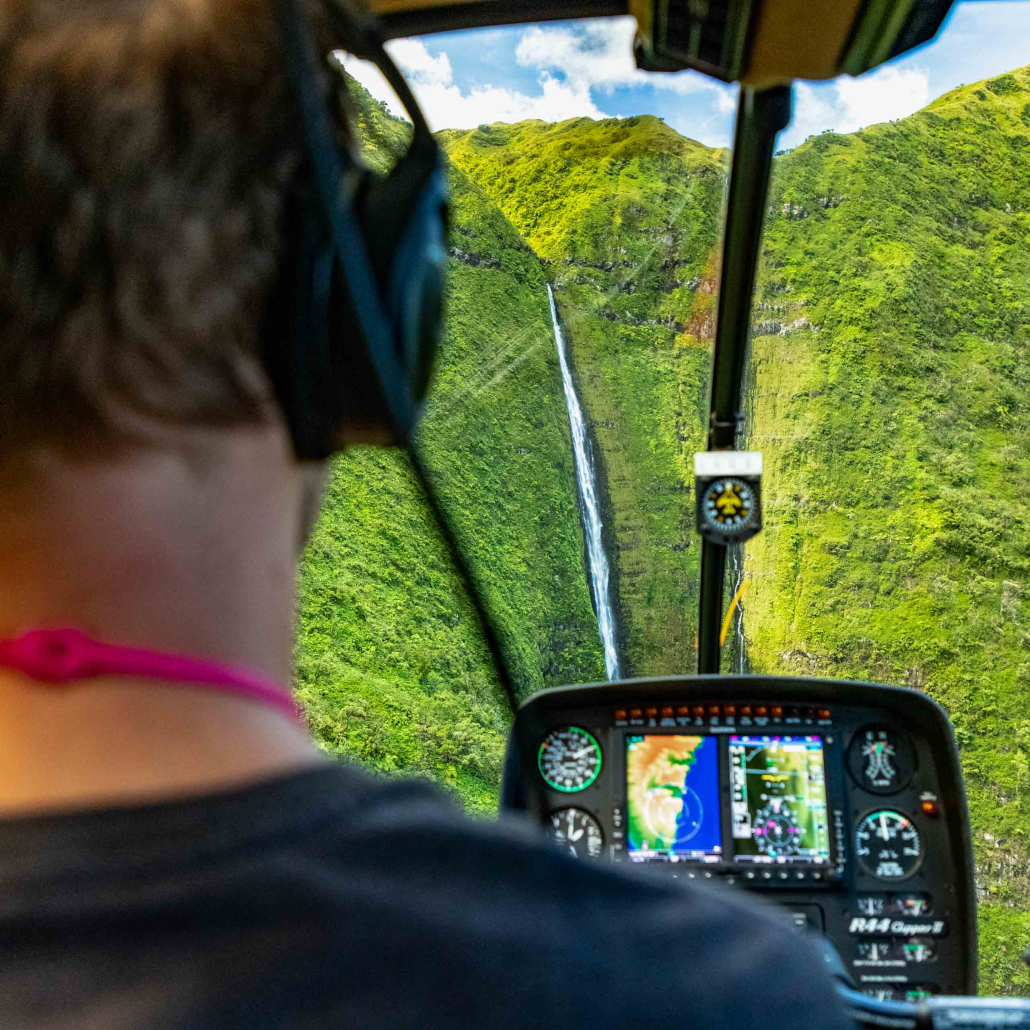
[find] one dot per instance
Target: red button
(652, 713)
(683, 710)
(636, 713)
(777, 711)
(620, 714)
(745, 710)
(666, 713)
(699, 711)
(730, 710)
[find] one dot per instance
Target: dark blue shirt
(330, 899)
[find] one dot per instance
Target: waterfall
(739, 649)
(586, 479)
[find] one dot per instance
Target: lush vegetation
(624, 214)
(390, 661)
(889, 392)
(896, 430)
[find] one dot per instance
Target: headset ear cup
(405, 221)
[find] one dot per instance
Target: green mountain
(624, 215)
(391, 666)
(895, 423)
(889, 390)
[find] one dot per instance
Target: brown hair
(146, 149)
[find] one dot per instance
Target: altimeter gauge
(569, 759)
(578, 832)
(888, 845)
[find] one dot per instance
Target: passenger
(176, 857)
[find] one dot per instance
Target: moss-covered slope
(625, 215)
(896, 432)
(390, 663)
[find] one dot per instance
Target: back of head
(147, 152)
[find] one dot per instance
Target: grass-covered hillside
(896, 433)
(890, 393)
(624, 213)
(390, 663)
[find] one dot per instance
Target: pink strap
(63, 655)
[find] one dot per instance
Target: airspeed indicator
(569, 759)
(888, 845)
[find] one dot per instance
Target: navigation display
(673, 798)
(778, 802)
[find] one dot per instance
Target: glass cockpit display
(778, 804)
(672, 804)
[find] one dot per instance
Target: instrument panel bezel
(904, 708)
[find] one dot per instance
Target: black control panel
(841, 801)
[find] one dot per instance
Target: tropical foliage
(888, 390)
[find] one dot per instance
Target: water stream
(739, 650)
(586, 480)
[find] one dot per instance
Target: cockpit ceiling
(758, 42)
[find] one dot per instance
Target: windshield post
(761, 114)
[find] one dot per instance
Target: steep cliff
(390, 663)
(895, 422)
(624, 213)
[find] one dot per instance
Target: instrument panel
(841, 801)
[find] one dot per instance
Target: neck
(190, 549)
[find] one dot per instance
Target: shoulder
(500, 901)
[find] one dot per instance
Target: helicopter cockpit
(840, 801)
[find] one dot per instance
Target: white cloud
(850, 104)
(572, 66)
(598, 54)
(881, 96)
(447, 106)
(726, 100)
(418, 64)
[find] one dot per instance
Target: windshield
(887, 390)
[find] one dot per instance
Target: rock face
(793, 327)
(794, 211)
(472, 259)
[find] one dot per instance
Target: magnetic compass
(888, 845)
(578, 832)
(728, 495)
(728, 504)
(569, 759)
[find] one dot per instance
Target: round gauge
(776, 831)
(578, 831)
(569, 759)
(728, 504)
(887, 845)
(881, 759)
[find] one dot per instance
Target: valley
(889, 392)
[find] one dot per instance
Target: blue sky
(569, 69)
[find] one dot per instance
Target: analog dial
(578, 832)
(881, 759)
(887, 845)
(569, 759)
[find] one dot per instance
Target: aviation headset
(352, 331)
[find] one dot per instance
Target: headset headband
(367, 264)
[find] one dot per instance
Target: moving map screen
(779, 800)
(673, 798)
